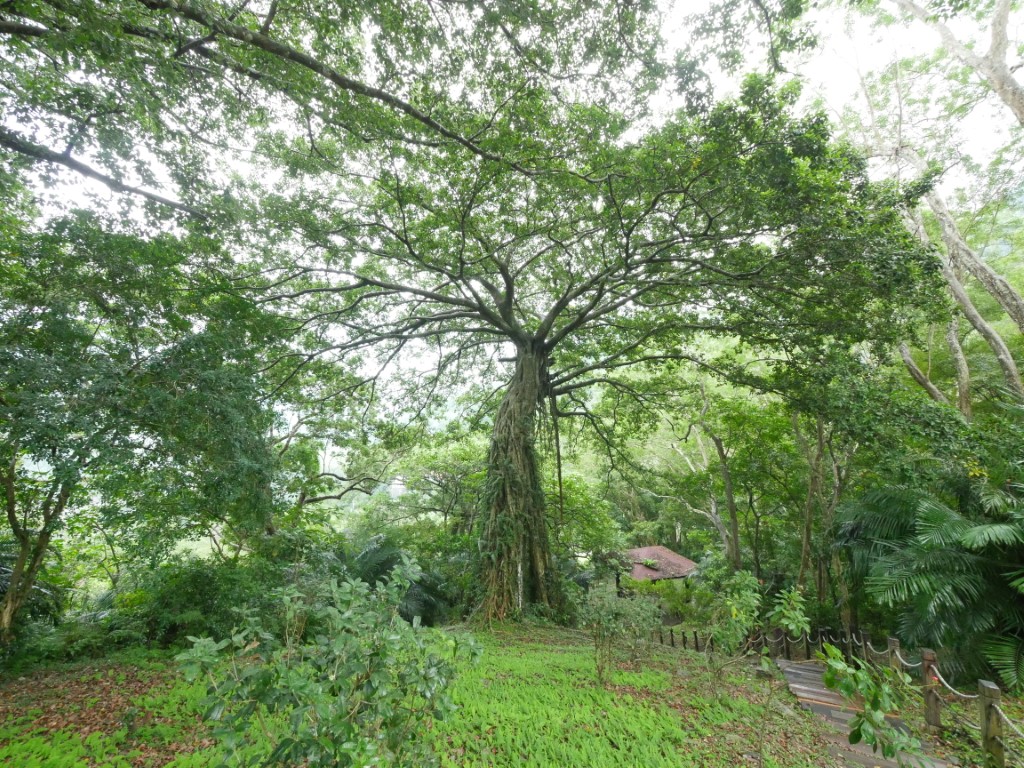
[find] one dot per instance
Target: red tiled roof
(670, 565)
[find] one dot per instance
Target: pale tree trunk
(963, 373)
(919, 376)
(961, 255)
(1011, 374)
(992, 64)
(711, 513)
(516, 552)
(732, 552)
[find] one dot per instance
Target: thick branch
(918, 375)
(23, 146)
(280, 50)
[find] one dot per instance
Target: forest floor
(533, 700)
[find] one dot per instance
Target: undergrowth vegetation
(532, 700)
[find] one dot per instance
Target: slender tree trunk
(814, 456)
(992, 64)
(963, 373)
(23, 578)
(32, 546)
(962, 255)
(756, 537)
(516, 552)
(733, 549)
(1011, 373)
(919, 376)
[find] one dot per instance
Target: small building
(657, 563)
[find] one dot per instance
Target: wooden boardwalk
(805, 681)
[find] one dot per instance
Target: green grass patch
(533, 700)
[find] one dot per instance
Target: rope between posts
(1009, 722)
(963, 720)
(872, 648)
(857, 642)
(950, 688)
(906, 663)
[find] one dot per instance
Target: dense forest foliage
(298, 291)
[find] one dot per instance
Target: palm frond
(1006, 654)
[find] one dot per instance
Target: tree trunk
(919, 376)
(516, 553)
(732, 552)
(963, 372)
(962, 255)
(32, 546)
(990, 65)
(23, 579)
(814, 456)
(1011, 373)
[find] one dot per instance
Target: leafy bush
(674, 595)
(355, 692)
(612, 620)
(789, 612)
(192, 597)
(737, 615)
(880, 691)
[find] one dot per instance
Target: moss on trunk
(516, 552)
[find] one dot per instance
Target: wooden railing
(978, 716)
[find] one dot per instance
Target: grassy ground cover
(533, 700)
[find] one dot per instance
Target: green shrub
(737, 614)
(789, 612)
(192, 597)
(674, 595)
(612, 621)
(357, 692)
(879, 691)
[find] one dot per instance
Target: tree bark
(963, 372)
(918, 375)
(962, 255)
(999, 348)
(992, 65)
(732, 552)
(32, 547)
(815, 457)
(516, 552)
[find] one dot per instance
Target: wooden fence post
(807, 645)
(894, 654)
(848, 643)
(932, 702)
(696, 641)
(672, 636)
(991, 725)
(865, 643)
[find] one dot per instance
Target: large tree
(746, 222)
(119, 360)
(469, 187)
